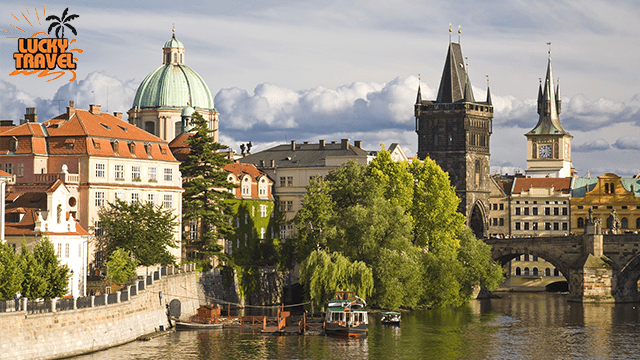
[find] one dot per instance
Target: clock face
(544, 151)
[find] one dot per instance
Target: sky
(285, 70)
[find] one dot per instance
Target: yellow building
(603, 195)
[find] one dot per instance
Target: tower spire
(548, 105)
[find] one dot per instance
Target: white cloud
(593, 145)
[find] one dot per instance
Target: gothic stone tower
(454, 131)
(549, 144)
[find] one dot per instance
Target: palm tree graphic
(61, 23)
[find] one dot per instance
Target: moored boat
(391, 318)
(346, 315)
(205, 318)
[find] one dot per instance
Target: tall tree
(56, 276)
(143, 229)
(120, 266)
(206, 189)
(11, 273)
(33, 286)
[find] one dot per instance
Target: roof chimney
(321, 144)
(30, 115)
(118, 115)
(358, 144)
(293, 145)
(94, 109)
(344, 145)
(70, 109)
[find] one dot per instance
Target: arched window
(526, 271)
(580, 223)
(150, 127)
(612, 188)
(175, 57)
(535, 271)
(518, 271)
(556, 272)
(606, 188)
(534, 151)
(246, 186)
(624, 223)
(478, 170)
(547, 272)
(555, 151)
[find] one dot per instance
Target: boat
(346, 315)
(205, 318)
(391, 318)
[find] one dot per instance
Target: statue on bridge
(614, 222)
(593, 225)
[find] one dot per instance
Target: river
(516, 326)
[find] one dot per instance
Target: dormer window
(69, 143)
(132, 148)
(163, 150)
(114, 146)
(96, 145)
(147, 148)
(13, 144)
(105, 126)
(246, 186)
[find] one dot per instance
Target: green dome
(187, 111)
(173, 87)
(173, 43)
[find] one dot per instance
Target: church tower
(548, 144)
(454, 131)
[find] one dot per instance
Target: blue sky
(310, 70)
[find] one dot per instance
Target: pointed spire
(549, 122)
(488, 92)
(454, 83)
(558, 100)
(419, 98)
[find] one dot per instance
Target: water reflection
(521, 326)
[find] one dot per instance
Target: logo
(45, 56)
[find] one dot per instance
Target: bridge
(598, 268)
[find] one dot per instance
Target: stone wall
(67, 333)
(270, 290)
(211, 288)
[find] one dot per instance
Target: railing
(66, 304)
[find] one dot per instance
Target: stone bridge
(598, 268)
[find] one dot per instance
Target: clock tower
(549, 144)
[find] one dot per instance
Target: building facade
(293, 166)
(454, 130)
(99, 158)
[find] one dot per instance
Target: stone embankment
(107, 321)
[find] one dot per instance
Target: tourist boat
(391, 318)
(346, 315)
(205, 318)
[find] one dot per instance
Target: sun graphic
(58, 26)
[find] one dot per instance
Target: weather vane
(549, 44)
(459, 33)
(450, 31)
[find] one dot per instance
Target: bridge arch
(627, 280)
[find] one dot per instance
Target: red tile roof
(524, 184)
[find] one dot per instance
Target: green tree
(120, 266)
(33, 285)
(55, 276)
(205, 184)
(322, 274)
(478, 268)
(11, 272)
(143, 229)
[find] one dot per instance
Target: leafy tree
(478, 268)
(323, 274)
(33, 285)
(142, 229)
(205, 184)
(11, 274)
(120, 266)
(55, 276)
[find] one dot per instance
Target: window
(168, 174)
(246, 218)
(565, 211)
(262, 187)
(624, 223)
(556, 226)
(289, 180)
(495, 206)
(59, 252)
(150, 127)
(263, 210)
(100, 169)
(135, 173)
(526, 211)
(547, 226)
(283, 232)
(556, 211)
(120, 196)
(283, 181)
(534, 225)
(135, 197)
(547, 272)
(193, 229)
(20, 170)
(262, 232)
(518, 211)
(501, 221)
(526, 225)
(168, 201)
(495, 221)
(8, 168)
(534, 211)
(66, 250)
(99, 198)
(97, 228)
(501, 206)
(565, 226)
(580, 223)
(246, 186)
(152, 174)
(114, 145)
(119, 172)
(517, 226)
(547, 211)
(151, 198)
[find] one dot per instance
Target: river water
(516, 326)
